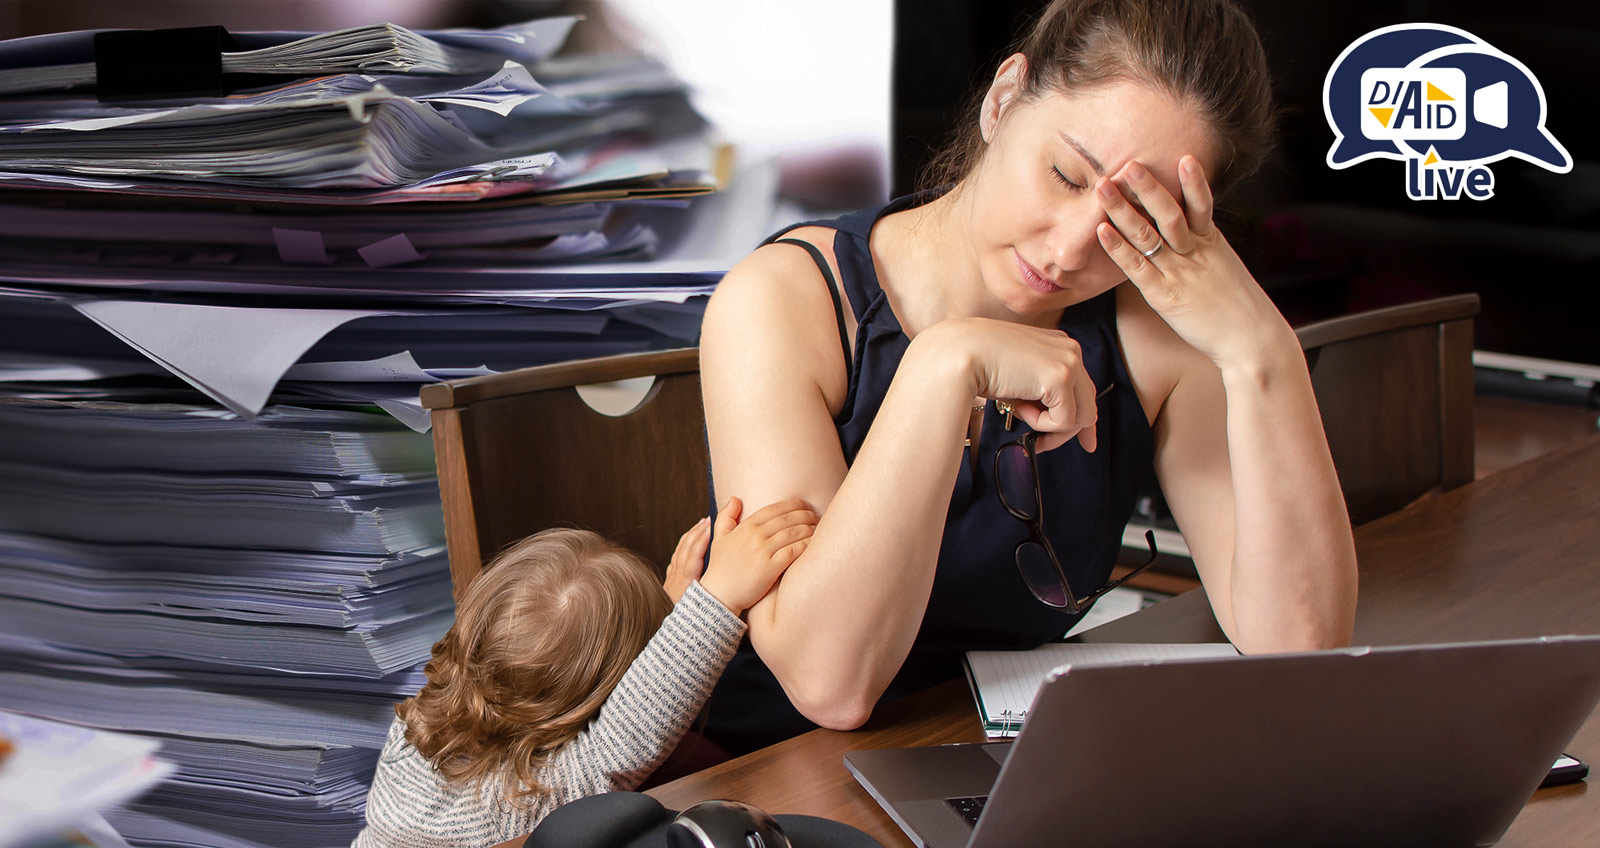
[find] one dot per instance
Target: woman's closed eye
(1061, 178)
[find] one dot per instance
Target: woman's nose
(1073, 245)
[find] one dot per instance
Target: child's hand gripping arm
(667, 685)
(753, 553)
(749, 556)
(688, 560)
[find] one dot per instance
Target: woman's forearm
(839, 624)
(1293, 583)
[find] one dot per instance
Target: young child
(569, 672)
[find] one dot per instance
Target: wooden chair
(522, 451)
(1394, 387)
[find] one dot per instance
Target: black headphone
(725, 824)
(634, 820)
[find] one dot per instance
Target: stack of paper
(219, 520)
(66, 60)
(258, 594)
(409, 113)
(420, 206)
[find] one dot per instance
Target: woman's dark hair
(1205, 53)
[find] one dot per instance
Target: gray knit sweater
(412, 806)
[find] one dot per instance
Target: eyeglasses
(1016, 478)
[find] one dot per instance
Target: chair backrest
(521, 451)
(1394, 387)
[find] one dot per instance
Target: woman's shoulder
(780, 293)
(773, 314)
(776, 284)
(819, 235)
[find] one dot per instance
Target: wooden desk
(1511, 555)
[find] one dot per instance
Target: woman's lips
(1033, 279)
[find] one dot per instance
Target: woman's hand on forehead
(1181, 263)
(1123, 180)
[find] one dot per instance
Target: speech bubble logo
(1419, 90)
(1390, 47)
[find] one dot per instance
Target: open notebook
(1004, 682)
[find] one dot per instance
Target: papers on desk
(239, 355)
(465, 310)
(257, 593)
(1004, 682)
(578, 294)
(197, 440)
(55, 776)
(66, 60)
(365, 132)
(218, 522)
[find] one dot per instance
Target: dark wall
(1327, 242)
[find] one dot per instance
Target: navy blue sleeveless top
(978, 599)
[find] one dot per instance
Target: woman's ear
(1005, 88)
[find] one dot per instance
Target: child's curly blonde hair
(540, 640)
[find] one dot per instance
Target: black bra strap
(833, 291)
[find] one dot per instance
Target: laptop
(1437, 745)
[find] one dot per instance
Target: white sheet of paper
(1007, 680)
(236, 355)
(1118, 602)
(59, 773)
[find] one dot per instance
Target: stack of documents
(219, 515)
(382, 209)
(373, 49)
(258, 594)
(335, 123)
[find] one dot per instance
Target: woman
(1073, 273)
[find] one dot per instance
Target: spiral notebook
(1004, 682)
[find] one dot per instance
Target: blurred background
(1326, 242)
(807, 84)
(855, 95)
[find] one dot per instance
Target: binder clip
(151, 64)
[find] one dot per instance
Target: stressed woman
(1067, 275)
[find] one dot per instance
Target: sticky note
(301, 247)
(394, 250)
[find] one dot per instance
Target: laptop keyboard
(968, 808)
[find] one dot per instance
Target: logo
(1442, 100)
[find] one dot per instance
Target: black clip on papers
(150, 64)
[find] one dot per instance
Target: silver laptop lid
(1407, 746)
